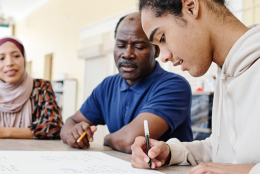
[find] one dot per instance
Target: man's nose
(129, 53)
(166, 56)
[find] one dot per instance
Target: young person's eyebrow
(152, 34)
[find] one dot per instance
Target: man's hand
(218, 168)
(159, 153)
(77, 131)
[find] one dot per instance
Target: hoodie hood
(236, 63)
(244, 53)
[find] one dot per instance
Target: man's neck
(133, 82)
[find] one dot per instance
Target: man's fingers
(76, 136)
(72, 142)
(82, 144)
(86, 142)
(87, 129)
(93, 128)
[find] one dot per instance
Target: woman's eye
(2, 58)
(162, 39)
(17, 56)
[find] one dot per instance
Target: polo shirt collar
(145, 83)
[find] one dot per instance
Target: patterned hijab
(15, 103)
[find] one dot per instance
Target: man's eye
(120, 46)
(140, 48)
(162, 39)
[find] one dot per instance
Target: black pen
(146, 131)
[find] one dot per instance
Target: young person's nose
(166, 56)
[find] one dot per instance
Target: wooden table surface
(58, 145)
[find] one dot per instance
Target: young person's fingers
(141, 164)
(159, 148)
(137, 150)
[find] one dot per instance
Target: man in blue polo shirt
(141, 91)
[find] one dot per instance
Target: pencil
(81, 137)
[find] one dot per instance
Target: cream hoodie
(235, 134)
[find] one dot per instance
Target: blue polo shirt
(167, 95)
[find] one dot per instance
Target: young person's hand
(216, 168)
(77, 131)
(159, 153)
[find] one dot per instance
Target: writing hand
(77, 131)
(159, 153)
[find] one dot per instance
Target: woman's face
(182, 43)
(11, 63)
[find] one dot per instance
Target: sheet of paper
(64, 162)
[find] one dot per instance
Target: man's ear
(157, 51)
(191, 7)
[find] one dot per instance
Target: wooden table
(58, 145)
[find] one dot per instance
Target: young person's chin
(196, 73)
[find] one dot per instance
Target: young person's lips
(178, 63)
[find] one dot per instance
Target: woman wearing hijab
(27, 106)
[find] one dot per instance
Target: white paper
(64, 162)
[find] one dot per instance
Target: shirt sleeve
(190, 153)
(91, 108)
(48, 121)
(255, 169)
(171, 100)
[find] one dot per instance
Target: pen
(81, 137)
(146, 131)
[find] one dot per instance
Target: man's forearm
(19, 133)
(66, 128)
(120, 143)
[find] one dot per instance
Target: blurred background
(70, 42)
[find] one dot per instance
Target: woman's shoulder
(42, 84)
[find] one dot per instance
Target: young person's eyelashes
(162, 39)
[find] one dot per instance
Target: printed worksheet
(14, 162)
